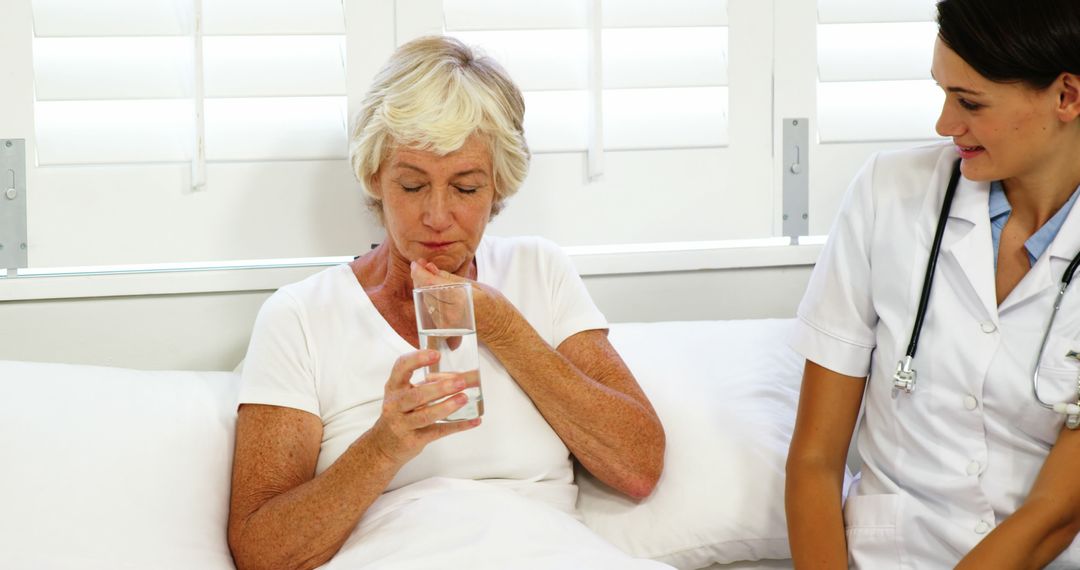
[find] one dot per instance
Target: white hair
(433, 94)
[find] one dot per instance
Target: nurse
(967, 470)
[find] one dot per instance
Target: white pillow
(114, 468)
(726, 392)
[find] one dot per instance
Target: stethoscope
(904, 379)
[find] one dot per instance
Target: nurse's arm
(1048, 521)
(828, 409)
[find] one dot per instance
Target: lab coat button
(973, 468)
(987, 327)
(983, 527)
(970, 403)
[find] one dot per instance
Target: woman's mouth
(967, 152)
(436, 244)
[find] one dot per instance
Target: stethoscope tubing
(1066, 278)
(931, 264)
(1046, 337)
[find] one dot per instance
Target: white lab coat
(946, 464)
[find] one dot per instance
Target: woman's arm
(281, 515)
(590, 398)
(828, 409)
(1047, 522)
(583, 389)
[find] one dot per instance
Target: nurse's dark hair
(1028, 41)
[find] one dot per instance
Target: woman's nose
(948, 124)
(437, 214)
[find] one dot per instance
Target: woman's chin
(976, 170)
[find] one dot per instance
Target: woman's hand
(407, 423)
(494, 313)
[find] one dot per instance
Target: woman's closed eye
(968, 104)
(465, 189)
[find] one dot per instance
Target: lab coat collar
(967, 239)
(1046, 273)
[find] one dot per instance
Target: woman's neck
(1038, 196)
(384, 272)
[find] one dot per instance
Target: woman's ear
(375, 185)
(1069, 105)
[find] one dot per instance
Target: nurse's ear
(1069, 97)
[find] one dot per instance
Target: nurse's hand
(407, 422)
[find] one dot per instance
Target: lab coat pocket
(870, 526)
(1057, 383)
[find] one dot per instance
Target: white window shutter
(670, 59)
(115, 80)
(874, 80)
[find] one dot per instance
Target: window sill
(268, 275)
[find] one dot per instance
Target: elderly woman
(331, 431)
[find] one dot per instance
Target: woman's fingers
(437, 386)
(427, 415)
(408, 363)
(437, 431)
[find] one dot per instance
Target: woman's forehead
(474, 157)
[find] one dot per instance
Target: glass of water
(445, 321)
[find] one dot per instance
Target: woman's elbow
(651, 468)
(249, 554)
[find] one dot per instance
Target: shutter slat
(555, 121)
(675, 118)
(272, 17)
(553, 60)
(665, 57)
(537, 60)
(113, 132)
(474, 15)
(878, 111)
(869, 52)
(280, 66)
(112, 68)
(101, 18)
(860, 11)
(670, 13)
(278, 128)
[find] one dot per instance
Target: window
(189, 130)
(650, 122)
(685, 132)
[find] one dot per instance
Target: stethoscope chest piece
(904, 378)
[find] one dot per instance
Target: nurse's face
(1002, 130)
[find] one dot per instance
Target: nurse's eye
(969, 105)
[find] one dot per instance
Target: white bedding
(454, 523)
(152, 452)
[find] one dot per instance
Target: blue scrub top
(1036, 245)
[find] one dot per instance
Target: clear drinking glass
(445, 321)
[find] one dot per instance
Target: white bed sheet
(454, 523)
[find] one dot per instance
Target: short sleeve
(573, 310)
(278, 369)
(836, 318)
